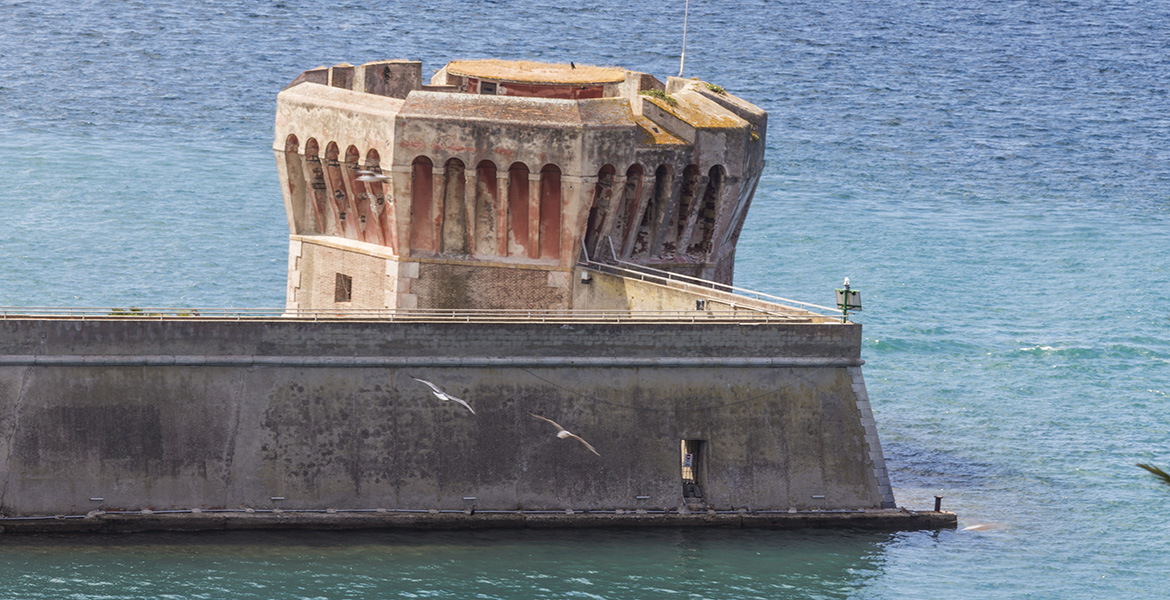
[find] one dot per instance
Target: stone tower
(481, 189)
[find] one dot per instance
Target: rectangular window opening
(487, 88)
(343, 292)
(692, 468)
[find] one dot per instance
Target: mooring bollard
(938, 504)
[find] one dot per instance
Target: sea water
(993, 176)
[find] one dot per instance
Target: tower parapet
(482, 188)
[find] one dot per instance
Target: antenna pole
(682, 59)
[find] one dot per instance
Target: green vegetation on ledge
(661, 95)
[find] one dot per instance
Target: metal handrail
(643, 271)
(780, 309)
(736, 314)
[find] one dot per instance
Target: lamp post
(847, 300)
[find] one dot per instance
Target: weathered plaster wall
(453, 213)
(454, 286)
(381, 280)
(228, 414)
(371, 270)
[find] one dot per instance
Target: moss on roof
(527, 71)
(697, 111)
(652, 134)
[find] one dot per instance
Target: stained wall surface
(204, 413)
(517, 175)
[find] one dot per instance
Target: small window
(344, 290)
(692, 468)
(487, 88)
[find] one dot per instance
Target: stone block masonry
(170, 414)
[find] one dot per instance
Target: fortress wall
(188, 413)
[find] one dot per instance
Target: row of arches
(448, 213)
(339, 203)
(675, 220)
(475, 221)
(489, 211)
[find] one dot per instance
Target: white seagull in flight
(563, 433)
(368, 176)
(441, 395)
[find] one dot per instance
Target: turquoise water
(994, 177)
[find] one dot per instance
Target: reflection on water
(483, 564)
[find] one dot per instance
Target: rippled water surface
(994, 176)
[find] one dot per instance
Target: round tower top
(525, 71)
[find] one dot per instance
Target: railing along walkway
(397, 315)
(743, 305)
(736, 297)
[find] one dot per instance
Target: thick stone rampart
(186, 413)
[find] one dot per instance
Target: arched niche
(550, 212)
(486, 208)
(454, 229)
(678, 234)
(341, 203)
(599, 211)
(656, 207)
(422, 226)
(319, 198)
(368, 227)
(700, 246)
(628, 210)
(518, 209)
(295, 180)
(380, 201)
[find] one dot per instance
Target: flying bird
(370, 176)
(441, 395)
(984, 527)
(563, 433)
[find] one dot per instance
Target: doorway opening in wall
(343, 291)
(693, 469)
